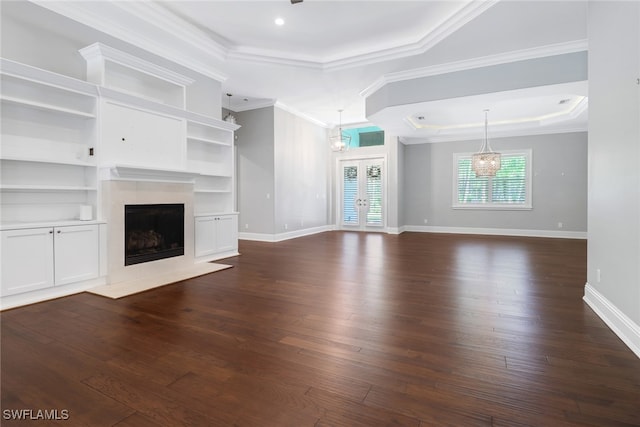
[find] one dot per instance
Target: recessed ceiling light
(279, 22)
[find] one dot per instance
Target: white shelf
(50, 160)
(45, 188)
(207, 141)
(202, 214)
(46, 107)
(212, 191)
(215, 175)
(19, 225)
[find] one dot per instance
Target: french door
(362, 194)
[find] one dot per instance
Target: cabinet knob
(59, 231)
(50, 231)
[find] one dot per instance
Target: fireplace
(153, 232)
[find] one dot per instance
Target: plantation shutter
(350, 194)
(374, 194)
(509, 189)
(471, 189)
(510, 183)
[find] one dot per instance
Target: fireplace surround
(118, 193)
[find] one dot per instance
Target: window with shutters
(509, 189)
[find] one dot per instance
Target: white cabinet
(27, 260)
(216, 236)
(38, 258)
(76, 252)
(48, 126)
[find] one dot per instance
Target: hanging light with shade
(486, 162)
(230, 117)
(340, 142)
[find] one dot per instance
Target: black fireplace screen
(153, 232)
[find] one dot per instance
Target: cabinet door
(27, 260)
(76, 250)
(227, 233)
(205, 235)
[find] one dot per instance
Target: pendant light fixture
(340, 142)
(486, 162)
(230, 117)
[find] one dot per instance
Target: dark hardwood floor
(335, 329)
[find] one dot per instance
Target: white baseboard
(498, 231)
(13, 301)
(263, 237)
(396, 230)
(616, 320)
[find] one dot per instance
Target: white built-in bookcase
(49, 136)
(143, 114)
(55, 132)
(62, 137)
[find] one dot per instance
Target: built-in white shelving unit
(64, 139)
(210, 153)
(49, 134)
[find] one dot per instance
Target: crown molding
(195, 49)
(302, 115)
(495, 134)
(102, 52)
(195, 52)
(467, 13)
(253, 105)
(484, 61)
(358, 59)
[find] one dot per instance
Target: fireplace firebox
(153, 232)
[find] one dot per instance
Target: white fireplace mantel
(140, 173)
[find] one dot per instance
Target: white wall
(559, 185)
(614, 175)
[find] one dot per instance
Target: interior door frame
(339, 190)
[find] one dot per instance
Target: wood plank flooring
(335, 329)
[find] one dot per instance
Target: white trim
(300, 114)
(252, 105)
(273, 238)
(497, 133)
(196, 52)
(119, 172)
(498, 231)
(395, 230)
(13, 301)
(194, 49)
(102, 52)
(483, 61)
(616, 320)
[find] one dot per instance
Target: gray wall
(255, 171)
(614, 154)
(282, 173)
(571, 67)
(301, 156)
(559, 186)
(53, 43)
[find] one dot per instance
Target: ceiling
(328, 55)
